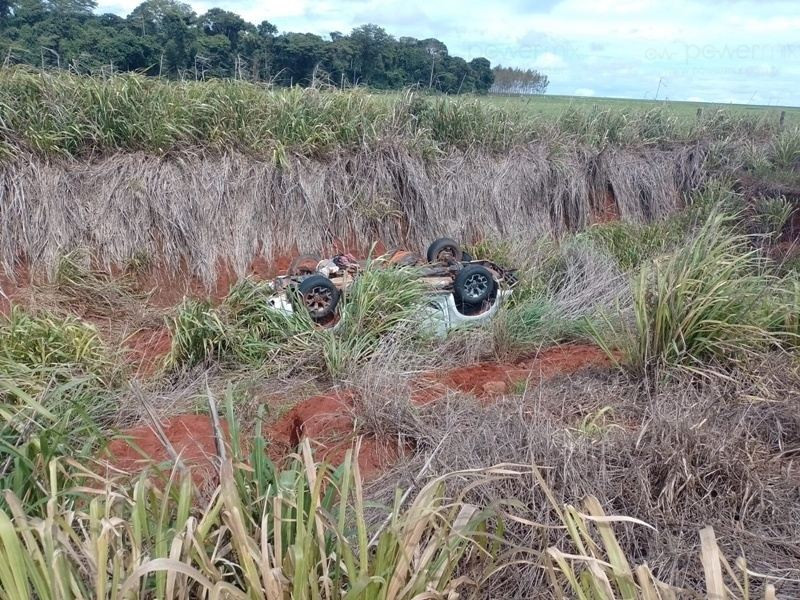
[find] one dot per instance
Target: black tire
(319, 296)
(473, 285)
(442, 249)
(305, 264)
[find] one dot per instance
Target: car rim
(476, 286)
(318, 298)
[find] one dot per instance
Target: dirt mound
(327, 419)
(493, 378)
(192, 437)
(328, 422)
(147, 348)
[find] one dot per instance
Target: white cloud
(584, 92)
(549, 60)
(713, 49)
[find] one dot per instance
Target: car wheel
(443, 250)
(474, 284)
(319, 296)
(305, 264)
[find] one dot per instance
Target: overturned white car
(462, 291)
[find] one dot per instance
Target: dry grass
(679, 457)
(200, 210)
(650, 183)
(678, 453)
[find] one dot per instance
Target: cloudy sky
(744, 51)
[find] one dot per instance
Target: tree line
(510, 80)
(167, 38)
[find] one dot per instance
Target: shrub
(379, 302)
(198, 334)
(709, 300)
(44, 340)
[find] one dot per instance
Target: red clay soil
(192, 437)
(147, 348)
(167, 288)
(493, 378)
(10, 288)
(326, 420)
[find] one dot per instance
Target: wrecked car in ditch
(461, 290)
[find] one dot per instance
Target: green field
(551, 105)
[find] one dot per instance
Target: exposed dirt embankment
(201, 210)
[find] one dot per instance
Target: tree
(213, 57)
(6, 8)
(369, 42)
(483, 74)
(267, 29)
(508, 80)
(166, 37)
(297, 55)
(222, 22)
(150, 14)
(340, 59)
(74, 7)
(179, 42)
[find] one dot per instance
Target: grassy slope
(67, 115)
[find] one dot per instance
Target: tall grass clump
(246, 330)
(56, 391)
(561, 288)
(198, 334)
(600, 568)
(708, 301)
(380, 302)
(630, 243)
(45, 419)
(785, 149)
(58, 113)
(303, 530)
(45, 341)
(65, 114)
(464, 123)
(76, 281)
(299, 532)
(770, 216)
(259, 330)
